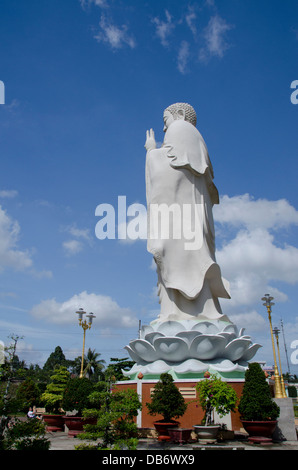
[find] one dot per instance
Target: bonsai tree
(53, 395)
(256, 403)
(75, 395)
(28, 393)
(115, 411)
(166, 399)
(214, 394)
(26, 435)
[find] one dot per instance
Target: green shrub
(76, 395)
(166, 399)
(52, 397)
(256, 403)
(214, 394)
(27, 435)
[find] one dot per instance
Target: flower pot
(259, 431)
(75, 424)
(180, 435)
(162, 427)
(54, 423)
(207, 434)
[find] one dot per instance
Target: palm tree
(93, 365)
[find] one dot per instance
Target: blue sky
(84, 80)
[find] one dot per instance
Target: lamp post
(276, 332)
(268, 304)
(85, 326)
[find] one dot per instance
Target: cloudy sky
(84, 80)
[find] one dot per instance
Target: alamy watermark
(2, 352)
(294, 355)
(294, 94)
(164, 222)
(2, 92)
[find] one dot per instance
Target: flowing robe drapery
(179, 177)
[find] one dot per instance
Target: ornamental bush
(214, 394)
(256, 403)
(52, 397)
(166, 399)
(76, 395)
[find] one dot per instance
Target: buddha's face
(168, 118)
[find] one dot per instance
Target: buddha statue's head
(179, 111)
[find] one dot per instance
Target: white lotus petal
(190, 365)
(206, 347)
(158, 367)
(152, 336)
(144, 350)
(169, 328)
(231, 329)
(250, 352)
(171, 349)
(145, 330)
(205, 327)
(236, 348)
(225, 365)
(188, 335)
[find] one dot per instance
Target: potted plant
(75, 400)
(52, 398)
(257, 409)
(213, 395)
(168, 402)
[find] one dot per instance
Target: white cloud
(8, 193)
(76, 244)
(99, 3)
(254, 260)
(183, 56)
(115, 36)
(250, 320)
(214, 36)
(72, 247)
(190, 19)
(164, 28)
(10, 255)
(244, 210)
(108, 313)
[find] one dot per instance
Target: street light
(276, 332)
(85, 326)
(278, 391)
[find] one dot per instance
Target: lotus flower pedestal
(188, 348)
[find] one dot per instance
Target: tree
(93, 365)
(6, 403)
(54, 392)
(115, 411)
(166, 399)
(214, 394)
(256, 403)
(56, 358)
(117, 365)
(28, 393)
(76, 394)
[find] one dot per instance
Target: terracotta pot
(259, 431)
(75, 424)
(180, 435)
(162, 427)
(207, 434)
(54, 423)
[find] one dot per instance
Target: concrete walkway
(61, 441)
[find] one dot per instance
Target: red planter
(259, 431)
(162, 427)
(75, 424)
(180, 435)
(54, 423)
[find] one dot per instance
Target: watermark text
(2, 92)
